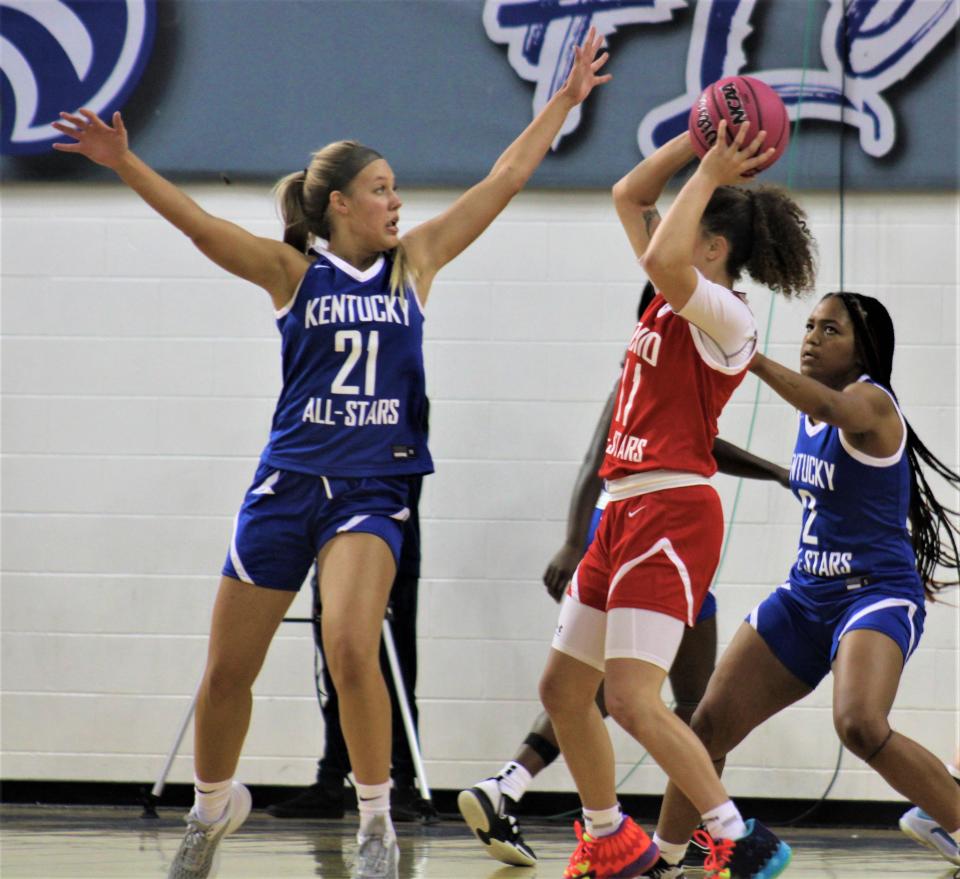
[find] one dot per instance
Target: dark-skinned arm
(586, 490)
(858, 408)
(735, 461)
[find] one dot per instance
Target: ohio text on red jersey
(672, 390)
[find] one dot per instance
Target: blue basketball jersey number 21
(353, 401)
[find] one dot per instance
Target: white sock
(672, 852)
(725, 822)
(373, 801)
(603, 822)
(210, 798)
(514, 780)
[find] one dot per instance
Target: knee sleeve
(540, 746)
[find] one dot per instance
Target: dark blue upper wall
(247, 88)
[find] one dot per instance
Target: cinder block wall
(138, 382)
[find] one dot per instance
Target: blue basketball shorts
(803, 626)
(287, 517)
(708, 609)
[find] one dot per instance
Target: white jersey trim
(416, 298)
(351, 270)
(283, 312)
(869, 460)
(723, 328)
(810, 428)
(650, 480)
(883, 604)
(664, 545)
(235, 555)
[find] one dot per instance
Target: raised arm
(668, 259)
(270, 264)
(735, 461)
(860, 408)
(635, 195)
(586, 490)
(433, 244)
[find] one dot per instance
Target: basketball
(739, 99)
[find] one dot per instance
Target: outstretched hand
(99, 142)
(583, 74)
(729, 163)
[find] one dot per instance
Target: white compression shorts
(594, 636)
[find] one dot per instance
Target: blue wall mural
(244, 89)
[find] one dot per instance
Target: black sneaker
(406, 804)
(696, 850)
(489, 814)
(758, 855)
(662, 870)
(320, 800)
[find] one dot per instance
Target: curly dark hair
(768, 236)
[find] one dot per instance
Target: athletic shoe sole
(479, 815)
(906, 828)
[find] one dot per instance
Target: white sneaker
(379, 855)
(919, 826)
(489, 815)
(197, 856)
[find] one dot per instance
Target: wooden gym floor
(70, 842)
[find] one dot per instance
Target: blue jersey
(354, 400)
(854, 510)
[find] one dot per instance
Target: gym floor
(70, 842)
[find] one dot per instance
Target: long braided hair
(933, 531)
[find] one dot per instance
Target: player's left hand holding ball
(727, 164)
(96, 140)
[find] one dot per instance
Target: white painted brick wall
(138, 383)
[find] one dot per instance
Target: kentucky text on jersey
(854, 510)
(353, 401)
(813, 471)
(348, 308)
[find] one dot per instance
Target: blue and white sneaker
(920, 827)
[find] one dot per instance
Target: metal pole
(151, 799)
(408, 726)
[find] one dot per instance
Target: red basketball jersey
(669, 399)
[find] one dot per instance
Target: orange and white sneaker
(626, 854)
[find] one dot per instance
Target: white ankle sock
(514, 780)
(603, 822)
(373, 801)
(725, 822)
(672, 852)
(211, 798)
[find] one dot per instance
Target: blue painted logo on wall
(65, 54)
(866, 46)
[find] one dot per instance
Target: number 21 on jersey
(351, 342)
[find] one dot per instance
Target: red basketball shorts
(656, 551)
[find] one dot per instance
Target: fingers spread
(64, 129)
